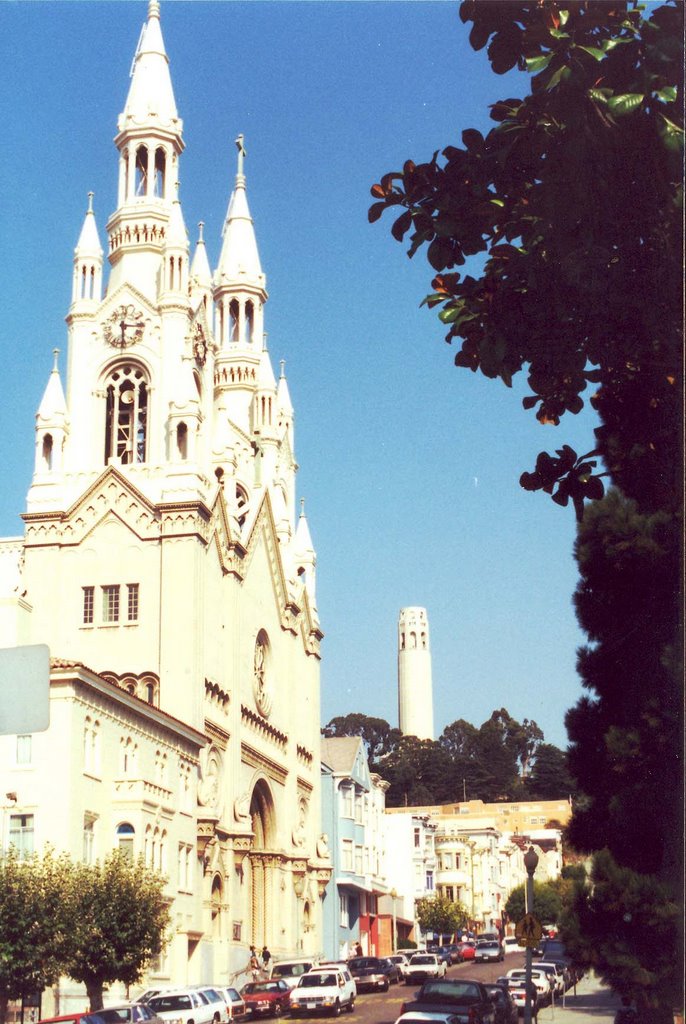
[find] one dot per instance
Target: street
(384, 1007)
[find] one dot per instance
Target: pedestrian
(358, 949)
(626, 1014)
(254, 964)
(266, 957)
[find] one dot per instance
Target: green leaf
(472, 139)
(594, 51)
(538, 63)
(668, 94)
(625, 103)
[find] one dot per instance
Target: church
(169, 567)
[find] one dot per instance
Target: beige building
(165, 565)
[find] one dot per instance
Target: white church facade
(167, 567)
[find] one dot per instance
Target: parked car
(556, 975)
(324, 990)
(217, 1001)
(126, 1012)
(455, 953)
(517, 992)
(467, 949)
(373, 972)
(424, 965)
(505, 1009)
(540, 980)
(510, 944)
(267, 998)
(187, 1006)
(402, 961)
(443, 952)
(489, 950)
(235, 1003)
(421, 1017)
(290, 971)
(466, 999)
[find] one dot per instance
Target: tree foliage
(547, 903)
(574, 198)
(34, 925)
(439, 915)
(491, 762)
(377, 735)
(119, 920)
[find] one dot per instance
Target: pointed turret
(239, 284)
(201, 275)
(51, 423)
(88, 260)
(149, 143)
(175, 273)
(151, 96)
(285, 406)
(305, 557)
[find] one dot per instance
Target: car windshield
(435, 992)
(290, 970)
(164, 1004)
(363, 961)
(232, 994)
(428, 958)
(110, 1016)
(317, 980)
(258, 987)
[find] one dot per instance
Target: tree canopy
(35, 925)
(573, 196)
(547, 903)
(440, 915)
(120, 916)
(575, 200)
(495, 761)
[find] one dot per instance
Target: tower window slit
(159, 183)
(47, 451)
(92, 284)
(233, 321)
(249, 321)
(141, 171)
(182, 441)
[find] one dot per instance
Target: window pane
(110, 604)
(23, 749)
(88, 604)
(21, 833)
(132, 610)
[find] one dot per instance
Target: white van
(291, 971)
(324, 990)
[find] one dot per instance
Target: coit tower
(415, 694)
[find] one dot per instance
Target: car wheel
(351, 1004)
(336, 1012)
(385, 985)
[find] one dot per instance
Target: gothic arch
(127, 393)
(263, 821)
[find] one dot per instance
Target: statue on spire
(241, 153)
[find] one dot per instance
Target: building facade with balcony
(353, 804)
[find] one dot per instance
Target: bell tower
(415, 687)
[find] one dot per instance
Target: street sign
(528, 931)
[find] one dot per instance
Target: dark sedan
(266, 998)
(505, 1008)
(374, 972)
(489, 951)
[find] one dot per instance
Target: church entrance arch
(262, 880)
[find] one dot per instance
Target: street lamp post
(530, 863)
(394, 896)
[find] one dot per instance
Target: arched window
(216, 904)
(127, 415)
(47, 451)
(233, 320)
(141, 171)
(182, 441)
(249, 321)
(159, 185)
(125, 838)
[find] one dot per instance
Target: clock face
(124, 327)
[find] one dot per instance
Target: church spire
(88, 260)
(239, 290)
(150, 144)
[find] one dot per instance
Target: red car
(266, 998)
(468, 949)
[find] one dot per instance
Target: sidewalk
(594, 1003)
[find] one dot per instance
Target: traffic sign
(528, 931)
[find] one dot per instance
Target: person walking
(266, 959)
(254, 964)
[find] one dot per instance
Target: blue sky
(409, 467)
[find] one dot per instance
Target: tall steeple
(88, 258)
(239, 284)
(149, 143)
